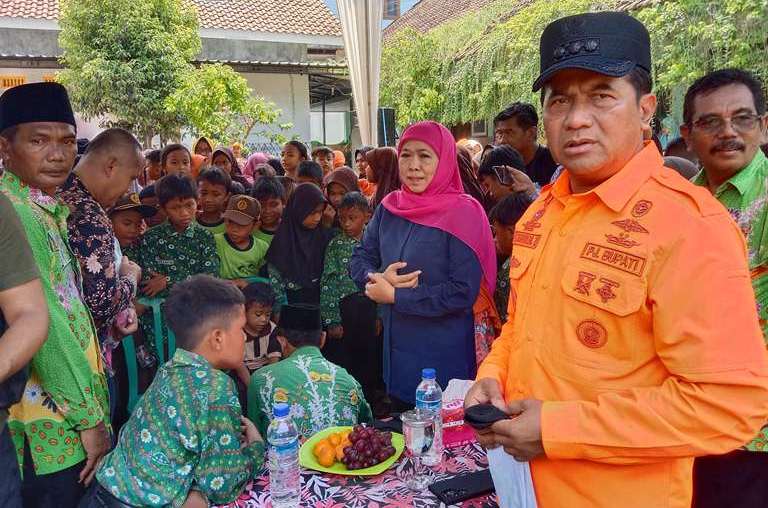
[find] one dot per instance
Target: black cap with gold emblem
(609, 43)
(131, 201)
(242, 210)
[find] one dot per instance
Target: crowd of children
(278, 243)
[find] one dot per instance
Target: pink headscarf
(249, 171)
(444, 205)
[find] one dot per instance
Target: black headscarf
(298, 253)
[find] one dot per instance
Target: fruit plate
(307, 458)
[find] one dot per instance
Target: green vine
(473, 66)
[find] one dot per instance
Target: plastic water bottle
(429, 397)
(284, 472)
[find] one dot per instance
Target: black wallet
(481, 416)
(463, 487)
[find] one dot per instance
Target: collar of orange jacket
(618, 189)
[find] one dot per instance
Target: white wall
(290, 93)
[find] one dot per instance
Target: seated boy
(261, 345)
(270, 194)
(241, 255)
(213, 193)
(349, 317)
(187, 437)
(310, 172)
(320, 393)
(176, 249)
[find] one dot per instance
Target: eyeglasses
(740, 123)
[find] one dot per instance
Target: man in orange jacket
(633, 342)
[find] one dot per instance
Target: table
(320, 490)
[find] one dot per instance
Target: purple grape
(360, 446)
(390, 450)
(357, 428)
(382, 456)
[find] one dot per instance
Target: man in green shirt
(23, 329)
(724, 114)
(320, 394)
(59, 427)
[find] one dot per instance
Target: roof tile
(307, 17)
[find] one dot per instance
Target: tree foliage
(691, 38)
(471, 67)
(217, 103)
(123, 58)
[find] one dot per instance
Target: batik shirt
(320, 394)
(336, 284)
(501, 294)
(92, 239)
(184, 432)
(66, 391)
(176, 255)
(745, 195)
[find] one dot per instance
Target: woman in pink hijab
(249, 170)
(424, 258)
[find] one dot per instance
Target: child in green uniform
(320, 394)
(213, 187)
(127, 218)
(174, 250)
(187, 438)
(349, 317)
(270, 194)
(240, 253)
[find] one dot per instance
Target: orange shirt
(632, 317)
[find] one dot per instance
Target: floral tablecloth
(321, 490)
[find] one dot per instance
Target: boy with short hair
(241, 255)
(349, 317)
(187, 437)
(323, 156)
(213, 187)
(310, 172)
(176, 249)
(270, 194)
(320, 394)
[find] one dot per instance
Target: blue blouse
(431, 325)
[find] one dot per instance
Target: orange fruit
(327, 457)
(319, 446)
(335, 439)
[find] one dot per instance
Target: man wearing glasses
(725, 124)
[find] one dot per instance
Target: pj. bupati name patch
(616, 258)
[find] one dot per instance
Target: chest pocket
(519, 263)
(606, 289)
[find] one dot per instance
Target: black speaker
(387, 132)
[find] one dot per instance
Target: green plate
(307, 458)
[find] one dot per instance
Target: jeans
(10, 481)
(735, 480)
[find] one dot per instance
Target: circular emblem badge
(135, 198)
(242, 204)
(592, 334)
(641, 208)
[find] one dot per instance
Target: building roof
(306, 17)
(428, 14)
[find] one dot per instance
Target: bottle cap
(281, 409)
(428, 373)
